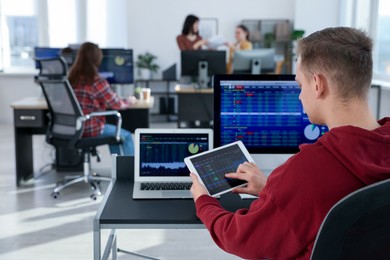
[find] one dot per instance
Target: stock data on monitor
(163, 154)
(265, 114)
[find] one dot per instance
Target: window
(19, 32)
(382, 40)
(372, 16)
(62, 21)
(25, 24)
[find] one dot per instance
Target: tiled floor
(35, 226)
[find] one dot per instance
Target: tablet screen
(213, 166)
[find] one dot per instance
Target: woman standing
(95, 94)
(242, 43)
(189, 38)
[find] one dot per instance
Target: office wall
(154, 25)
(313, 15)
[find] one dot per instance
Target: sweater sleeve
(255, 233)
(107, 97)
(181, 43)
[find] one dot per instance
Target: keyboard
(166, 185)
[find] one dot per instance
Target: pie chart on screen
(119, 60)
(193, 148)
(312, 132)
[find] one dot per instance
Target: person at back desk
(334, 71)
(95, 94)
(190, 38)
(242, 44)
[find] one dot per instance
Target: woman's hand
(248, 171)
(230, 45)
(200, 43)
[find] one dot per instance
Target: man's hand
(249, 172)
(197, 189)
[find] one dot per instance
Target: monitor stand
(255, 66)
(203, 78)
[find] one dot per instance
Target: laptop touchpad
(176, 194)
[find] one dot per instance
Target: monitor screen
(216, 61)
(244, 60)
(162, 154)
(46, 52)
(263, 111)
(117, 66)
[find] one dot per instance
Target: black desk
(166, 94)
(30, 118)
(119, 211)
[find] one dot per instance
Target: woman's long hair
(188, 24)
(85, 68)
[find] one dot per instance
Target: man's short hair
(344, 54)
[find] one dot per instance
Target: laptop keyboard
(166, 185)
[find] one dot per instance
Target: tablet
(211, 167)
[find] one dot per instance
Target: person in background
(242, 43)
(189, 39)
(67, 54)
(334, 71)
(95, 94)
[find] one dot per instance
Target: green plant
(147, 61)
(297, 34)
(269, 39)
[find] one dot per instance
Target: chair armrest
(82, 119)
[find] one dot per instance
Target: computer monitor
(117, 66)
(263, 111)
(254, 61)
(46, 52)
(203, 64)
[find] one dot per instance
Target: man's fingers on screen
(234, 175)
(241, 190)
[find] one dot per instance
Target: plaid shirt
(94, 98)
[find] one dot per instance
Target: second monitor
(254, 61)
(203, 64)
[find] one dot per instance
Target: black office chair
(357, 227)
(67, 123)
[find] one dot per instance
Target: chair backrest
(358, 226)
(63, 105)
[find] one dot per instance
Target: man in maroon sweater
(334, 71)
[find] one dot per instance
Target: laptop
(159, 168)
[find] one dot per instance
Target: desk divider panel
(125, 168)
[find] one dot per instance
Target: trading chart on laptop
(163, 154)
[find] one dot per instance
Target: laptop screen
(264, 112)
(162, 154)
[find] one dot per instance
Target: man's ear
(321, 86)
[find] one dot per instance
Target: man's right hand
(255, 178)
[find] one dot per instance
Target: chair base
(93, 180)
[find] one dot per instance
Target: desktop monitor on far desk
(254, 61)
(202, 65)
(117, 66)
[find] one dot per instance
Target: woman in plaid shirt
(95, 94)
